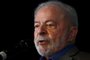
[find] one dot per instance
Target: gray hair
(70, 10)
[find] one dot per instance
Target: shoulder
(82, 56)
(75, 54)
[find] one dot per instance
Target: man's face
(50, 30)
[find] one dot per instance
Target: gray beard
(50, 50)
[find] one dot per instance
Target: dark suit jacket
(75, 54)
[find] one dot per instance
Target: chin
(45, 53)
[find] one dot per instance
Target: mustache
(42, 38)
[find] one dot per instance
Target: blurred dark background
(16, 20)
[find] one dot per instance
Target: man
(55, 30)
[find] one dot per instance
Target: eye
(50, 25)
(36, 25)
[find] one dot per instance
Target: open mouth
(43, 42)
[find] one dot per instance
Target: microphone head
(3, 55)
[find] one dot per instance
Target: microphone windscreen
(3, 55)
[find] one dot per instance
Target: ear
(73, 33)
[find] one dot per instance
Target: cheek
(53, 34)
(35, 34)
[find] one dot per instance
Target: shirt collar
(59, 54)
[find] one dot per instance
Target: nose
(42, 30)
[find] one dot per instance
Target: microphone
(3, 55)
(20, 47)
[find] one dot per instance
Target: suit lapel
(70, 54)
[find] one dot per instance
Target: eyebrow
(50, 21)
(36, 22)
(46, 21)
